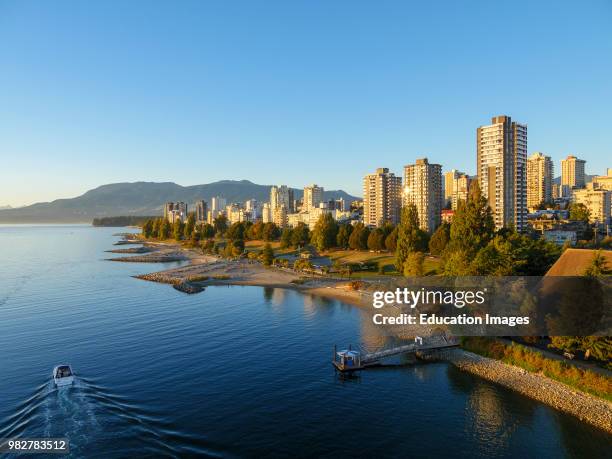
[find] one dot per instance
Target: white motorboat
(63, 375)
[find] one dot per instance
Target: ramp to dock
(422, 344)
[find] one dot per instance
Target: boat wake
(98, 423)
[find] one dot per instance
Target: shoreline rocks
(163, 258)
(188, 287)
(588, 408)
(133, 250)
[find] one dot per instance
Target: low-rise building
(596, 200)
(560, 237)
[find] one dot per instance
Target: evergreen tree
(414, 264)
(267, 255)
(220, 224)
(270, 232)
(325, 232)
(300, 235)
(164, 229)
(376, 240)
(391, 240)
(598, 266)
(256, 231)
(190, 225)
(472, 226)
(177, 229)
(410, 238)
(344, 233)
(285, 239)
(236, 231)
(439, 239)
(207, 231)
(364, 234)
(355, 237)
(147, 228)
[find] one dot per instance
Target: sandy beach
(204, 270)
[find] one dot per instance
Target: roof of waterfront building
(573, 262)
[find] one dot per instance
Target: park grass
(535, 362)
(385, 259)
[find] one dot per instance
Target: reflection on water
(239, 371)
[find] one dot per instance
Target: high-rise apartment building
(381, 197)
(423, 188)
(279, 216)
(572, 174)
(461, 189)
(266, 213)
(313, 196)
(218, 204)
(282, 196)
(449, 182)
(175, 211)
(501, 157)
(539, 179)
(201, 211)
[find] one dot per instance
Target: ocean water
(229, 372)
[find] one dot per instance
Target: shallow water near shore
(231, 372)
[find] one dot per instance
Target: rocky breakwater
(588, 408)
(143, 249)
(152, 258)
(179, 283)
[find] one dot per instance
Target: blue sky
(289, 91)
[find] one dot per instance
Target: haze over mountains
(141, 198)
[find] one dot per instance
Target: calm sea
(229, 372)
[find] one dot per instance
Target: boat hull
(61, 382)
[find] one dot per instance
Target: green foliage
(267, 255)
(236, 231)
(207, 231)
(376, 240)
(413, 266)
(147, 228)
(270, 232)
(579, 211)
(507, 254)
(391, 240)
(344, 234)
(598, 266)
(472, 226)
(533, 361)
(285, 239)
(325, 232)
(177, 229)
(121, 220)
(207, 246)
(439, 239)
(410, 238)
(597, 347)
(255, 231)
(189, 226)
(300, 235)
(302, 265)
(220, 224)
(164, 229)
(359, 237)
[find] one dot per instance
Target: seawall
(588, 408)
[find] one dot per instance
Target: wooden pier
(349, 361)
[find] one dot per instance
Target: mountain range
(141, 198)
